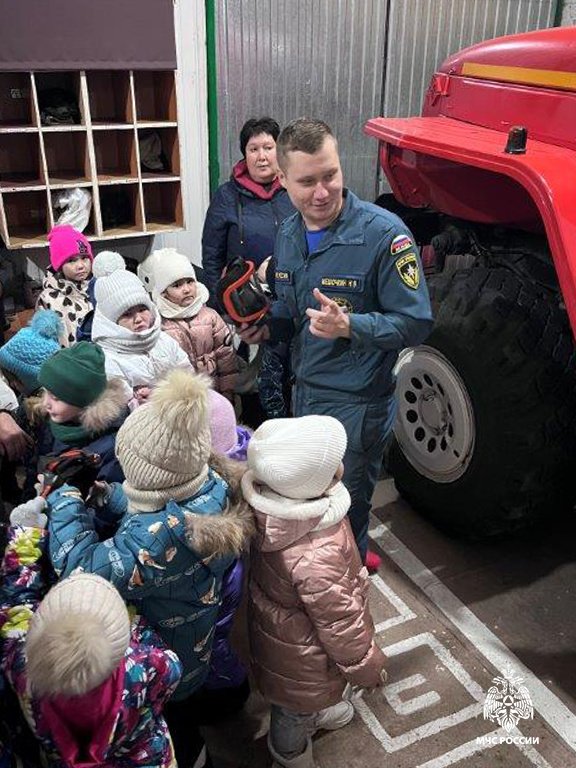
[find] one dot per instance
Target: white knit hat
(164, 267)
(168, 266)
(77, 637)
(107, 262)
(118, 292)
(297, 458)
(164, 445)
(146, 267)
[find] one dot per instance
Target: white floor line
(473, 747)
(546, 703)
(458, 754)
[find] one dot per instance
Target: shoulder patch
(409, 270)
(400, 243)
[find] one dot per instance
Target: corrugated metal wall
(346, 61)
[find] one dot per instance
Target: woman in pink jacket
(311, 631)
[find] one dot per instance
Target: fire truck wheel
(485, 435)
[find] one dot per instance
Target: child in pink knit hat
(65, 287)
(226, 689)
(228, 438)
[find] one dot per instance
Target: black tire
(513, 350)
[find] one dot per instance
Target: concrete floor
(450, 616)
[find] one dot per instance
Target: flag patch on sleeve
(400, 243)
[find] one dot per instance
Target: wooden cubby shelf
(163, 206)
(27, 217)
(110, 98)
(155, 96)
(67, 159)
(20, 161)
(111, 132)
(115, 156)
(16, 101)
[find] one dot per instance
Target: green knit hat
(75, 375)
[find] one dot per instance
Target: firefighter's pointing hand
(331, 321)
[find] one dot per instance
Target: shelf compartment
(170, 151)
(121, 209)
(109, 97)
(68, 83)
(27, 220)
(66, 158)
(20, 164)
(155, 94)
(89, 230)
(163, 206)
(15, 100)
(115, 153)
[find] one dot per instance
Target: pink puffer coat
(207, 341)
(309, 622)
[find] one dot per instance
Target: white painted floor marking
(392, 695)
(546, 703)
(459, 753)
(395, 743)
(404, 612)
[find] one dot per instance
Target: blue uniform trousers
(368, 427)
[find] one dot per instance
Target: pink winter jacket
(207, 341)
(309, 622)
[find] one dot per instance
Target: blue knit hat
(25, 352)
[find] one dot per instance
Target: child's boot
(334, 717)
(305, 760)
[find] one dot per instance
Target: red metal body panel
(453, 158)
(549, 115)
(542, 180)
(551, 49)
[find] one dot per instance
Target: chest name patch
(400, 244)
(349, 283)
(409, 270)
(282, 276)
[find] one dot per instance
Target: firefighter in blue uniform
(351, 295)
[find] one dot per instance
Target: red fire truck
(486, 178)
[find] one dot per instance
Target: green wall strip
(213, 162)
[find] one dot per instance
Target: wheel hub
(432, 412)
(435, 425)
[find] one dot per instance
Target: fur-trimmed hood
(107, 409)
(226, 533)
(104, 413)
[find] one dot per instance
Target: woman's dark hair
(256, 126)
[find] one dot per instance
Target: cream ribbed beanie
(164, 445)
(297, 458)
(169, 266)
(77, 637)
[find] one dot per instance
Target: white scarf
(110, 335)
(332, 507)
(172, 311)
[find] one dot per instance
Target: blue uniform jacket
(368, 263)
(168, 563)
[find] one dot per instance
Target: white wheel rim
(435, 423)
